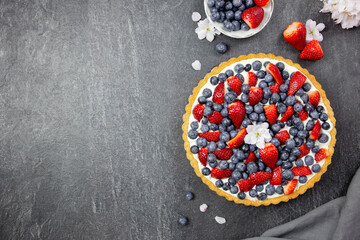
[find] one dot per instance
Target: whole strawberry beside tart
(259, 130)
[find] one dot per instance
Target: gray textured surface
(92, 95)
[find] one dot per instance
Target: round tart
(259, 130)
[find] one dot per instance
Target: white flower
(220, 220)
(203, 207)
(346, 12)
(195, 16)
(206, 30)
(313, 31)
(196, 65)
(258, 134)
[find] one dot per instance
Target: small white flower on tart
(258, 134)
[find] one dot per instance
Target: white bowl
(242, 34)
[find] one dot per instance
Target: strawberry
(219, 93)
(252, 79)
(202, 154)
(269, 154)
(236, 113)
(255, 95)
(251, 158)
(314, 98)
(276, 177)
(323, 153)
(312, 51)
(238, 139)
(220, 173)
(198, 112)
(303, 151)
(315, 133)
(245, 185)
(275, 88)
(261, 3)
(223, 154)
(259, 177)
(303, 115)
(290, 187)
(296, 82)
(301, 171)
(235, 84)
(271, 113)
(215, 117)
(282, 136)
(295, 35)
(287, 115)
(275, 72)
(253, 16)
(210, 136)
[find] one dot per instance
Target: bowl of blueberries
(227, 16)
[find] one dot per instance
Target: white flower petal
(260, 143)
(320, 27)
(196, 65)
(203, 207)
(267, 137)
(201, 33)
(220, 220)
(309, 38)
(310, 24)
(319, 37)
(209, 36)
(195, 16)
(264, 125)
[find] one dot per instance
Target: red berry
(215, 117)
(269, 155)
(251, 158)
(301, 171)
(315, 133)
(314, 98)
(237, 113)
(287, 115)
(245, 185)
(312, 51)
(271, 113)
(223, 154)
(260, 177)
(261, 3)
(255, 95)
(296, 82)
(323, 153)
(275, 72)
(282, 136)
(303, 151)
(220, 173)
(210, 136)
(202, 154)
(252, 79)
(235, 84)
(276, 177)
(219, 93)
(275, 88)
(198, 112)
(295, 35)
(290, 187)
(253, 16)
(238, 139)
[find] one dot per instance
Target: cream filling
(289, 69)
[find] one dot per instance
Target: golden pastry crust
(276, 200)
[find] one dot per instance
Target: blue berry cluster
(288, 152)
(229, 13)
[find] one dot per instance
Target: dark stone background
(92, 95)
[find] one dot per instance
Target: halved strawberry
(275, 88)
(276, 177)
(269, 155)
(312, 51)
(303, 151)
(198, 112)
(253, 16)
(252, 79)
(245, 185)
(215, 117)
(251, 158)
(314, 98)
(223, 154)
(295, 35)
(290, 187)
(303, 115)
(287, 115)
(271, 113)
(323, 153)
(282, 136)
(220, 173)
(261, 3)
(301, 171)
(235, 84)
(237, 113)
(219, 93)
(260, 177)
(275, 72)
(296, 82)
(315, 133)
(202, 154)
(210, 136)
(238, 139)
(255, 95)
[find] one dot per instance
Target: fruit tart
(259, 130)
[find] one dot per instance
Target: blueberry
(252, 193)
(284, 88)
(300, 126)
(223, 164)
(260, 74)
(309, 125)
(224, 112)
(304, 98)
(302, 134)
(240, 155)
(241, 77)
(249, 109)
(245, 88)
(259, 188)
(220, 145)
(224, 136)
(244, 98)
(219, 183)
(215, 16)
(183, 221)
(252, 147)
(222, 77)
(281, 66)
(262, 196)
(287, 174)
(226, 186)
(229, 15)
(236, 175)
(211, 146)
(298, 107)
(256, 65)
(325, 126)
(209, 103)
(314, 114)
(283, 96)
(281, 107)
(279, 190)
(315, 168)
(229, 73)
(231, 166)
(268, 169)
(241, 195)
(296, 121)
(266, 63)
(257, 153)
(323, 117)
(298, 141)
(202, 99)
(302, 179)
(290, 100)
(295, 152)
(285, 75)
(270, 189)
(211, 3)
(286, 165)
(309, 160)
(241, 166)
(207, 111)
(299, 162)
(309, 143)
(231, 181)
(306, 87)
(320, 109)
(234, 189)
(275, 128)
(211, 158)
(323, 138)
(275, 97)
(276, 142)
(194, 125)
(244, 26)
(219, 4)
(194, 149)
(230, 97)
(214, 80)
(263, 84)
(222, 128)
(290, 143)
(264, 101)
(205, 171)
(239, 68)
(262, 117)
(213, 164)
(245, 175)
(247, 67)
(189, 196)
(228, 6)
(221, 47)
(252, 167)
(192, 134)
(254, 116)
(245, 147)
(308, 107)
(222, 17)
(205, 120)
(289, 123)
(267, 91)
(236, 25)
(299, 92)
(246, 122)
(237, 3)
(249, 3)
(268, 77)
